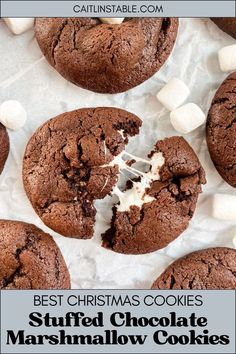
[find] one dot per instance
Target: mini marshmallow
(227, 58)
(173, 94)
(224, 207)
(234, 241)
(187, 118)
(12, 115)
(112, 20)
(19, 25)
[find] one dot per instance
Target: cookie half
(4, 146)
(162, 210)
(212, 268)
(106, 58)
(226, 24)
(221, 130)
(67, 165)
(30, 259)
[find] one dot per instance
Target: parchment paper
(26, 76)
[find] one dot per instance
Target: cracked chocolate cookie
(228, 25)
(106, 58)
(30, 259)
(68, 164)
(221, 130)
(4, 146)
(212, 268)
(157, 207)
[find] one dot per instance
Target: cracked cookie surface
(30, 259)
(221, 130)
(212, 268)
(66, 166)
(4, 146)
(226, 24)
(106, 58)
(158, 222)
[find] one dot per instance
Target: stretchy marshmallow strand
(227, 58)
(224, 207)
(112, 20)
(19, 25)
(173, 94)
(137, 194)
(12, 115)
(187, 118)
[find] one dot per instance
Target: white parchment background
(27, 77)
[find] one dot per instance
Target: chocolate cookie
(221, 130)
(162, 201)
(106, 58)
(227, 25)
(212, 268)
(67, 165)
(30, 259)
(4, 146)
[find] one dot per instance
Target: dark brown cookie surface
(227, 25)
(213, 268)
(30, 259)
(4, 146)
(221, 130)
(106, 58)
(152, 226)
(66, 166)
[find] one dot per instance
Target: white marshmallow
(173, 94)
(19, 25)
(12, 115)
(234, 241)
(137, 194)
(134, 196)
(227, 58)
(224, 207)
(187, 118)
(112, 20)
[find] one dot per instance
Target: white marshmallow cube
(112, 20)
(19, 25)
(12, 115)
(173, 94)
(224, 207)
(227, 58)
(187, 118)
(234, 241)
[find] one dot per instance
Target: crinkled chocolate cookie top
(212, 268)
(106, 58)
(67, 166)
(30, 259)
(4, 146)
(167, 199)
(221, 130)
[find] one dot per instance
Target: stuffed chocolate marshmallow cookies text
(106, 58)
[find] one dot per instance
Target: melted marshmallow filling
(137, 196)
